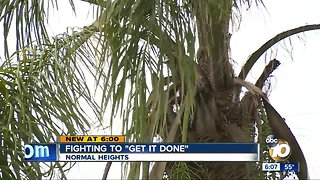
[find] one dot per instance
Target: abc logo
(279, 149)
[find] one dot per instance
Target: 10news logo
(279, 149)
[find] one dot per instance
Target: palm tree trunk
(213, 106)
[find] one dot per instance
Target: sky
(295, 91)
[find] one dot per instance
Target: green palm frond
(40, 99)
(120, 49)
(42, 96)
(28, 20)
(138, 54)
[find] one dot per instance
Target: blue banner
(159, 148)
(40, 152)
(289, 167)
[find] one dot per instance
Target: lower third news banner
(142, 152)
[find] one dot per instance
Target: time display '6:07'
(270, 166)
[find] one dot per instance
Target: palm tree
(142, 56)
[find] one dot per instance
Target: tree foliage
(142, 57)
